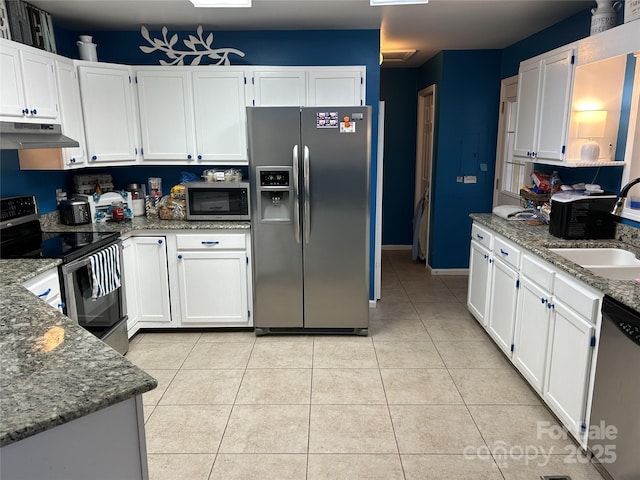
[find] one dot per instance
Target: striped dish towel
(105, 271)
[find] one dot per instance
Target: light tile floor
(426, 395)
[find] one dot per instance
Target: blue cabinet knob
(199, 157)
(189, 157)
(34, 112)
(159, 242)
(25, 111)
(94, 158)
(73, 160)
(179, 257)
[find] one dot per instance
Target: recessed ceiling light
(221, 3)
(377, 3)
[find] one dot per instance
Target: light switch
(470, 179)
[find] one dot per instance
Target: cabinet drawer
(538, 272)
(214, 241)
(45, 286)
(482, 236)
(578, 296)
(506, 251)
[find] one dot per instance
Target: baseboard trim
(396, 247)
(448, 271)
(373, 303)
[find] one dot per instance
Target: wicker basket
(529, 199)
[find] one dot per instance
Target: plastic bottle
(555, 182)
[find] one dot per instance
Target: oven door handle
(83, 262)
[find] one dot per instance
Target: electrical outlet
(470, 179)
(459, 179)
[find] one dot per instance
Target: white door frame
(424, 157)
(508, 91)
(378, 236)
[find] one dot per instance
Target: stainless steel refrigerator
(309, 174)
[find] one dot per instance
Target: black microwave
(217, 200)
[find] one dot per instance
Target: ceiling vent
(396, 56)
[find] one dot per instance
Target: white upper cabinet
(108, 109)
(27, 85)
(71, 113)
(220, 115)
(307, 86)
(335, 87)
(165, 101)
(279, 87)
(544, 94)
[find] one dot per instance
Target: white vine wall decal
(198, 47)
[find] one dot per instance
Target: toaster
(74, 212)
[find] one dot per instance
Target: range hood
(22, 136)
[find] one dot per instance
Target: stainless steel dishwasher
(615, 412)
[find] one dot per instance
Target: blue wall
(398, 87)
(467, 96)
(42, 184)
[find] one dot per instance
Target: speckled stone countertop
(44, 384)
(51, 223)
(538, 240)
(41, 389)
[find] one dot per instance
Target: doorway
(424, 160)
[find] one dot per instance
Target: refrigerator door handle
(307, 197)
(296, 189)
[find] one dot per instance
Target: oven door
(98, 315)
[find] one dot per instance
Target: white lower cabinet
(182, 280)
(46, 286)
(212, 280)
(479, 280)
(532, 330)
(546, 321)
(213, 288)
(480, 269)
(502, 309)
(568, 366)
(146, 282)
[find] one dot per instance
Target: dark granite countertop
(51, 222)
(41, 389)
(537, 240)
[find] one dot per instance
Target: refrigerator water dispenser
(275, 194)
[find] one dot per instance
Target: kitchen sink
(612, 263)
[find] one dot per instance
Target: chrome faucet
(617, 209)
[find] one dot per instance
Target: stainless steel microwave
(217, 200)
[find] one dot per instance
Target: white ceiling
(428, 29)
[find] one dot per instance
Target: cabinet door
(335, 88)
(130, 283)
(531, 332)
(152, 281)
(39, 82)
(71, 113)
(479, 279)
(279, 88)
(527, 116)
(502, 305)
(553, 117)
(107, 107)
(12, 102)
(166, 114)
(213, 288)
(568, 366)
(220, 116)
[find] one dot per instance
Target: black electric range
(22, 235)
